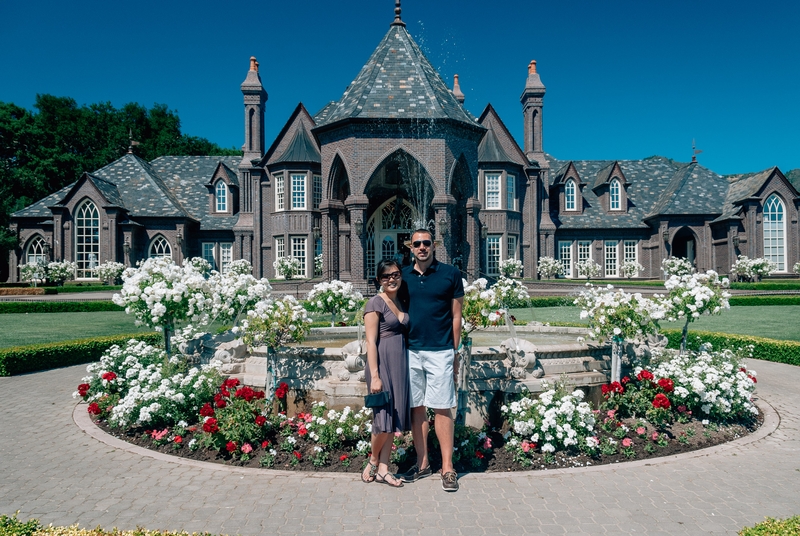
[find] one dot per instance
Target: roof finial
(397, 20)
(457, 90)
(133, 143)
(532, 67)
(695, 152)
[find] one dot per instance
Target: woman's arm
(371, 327)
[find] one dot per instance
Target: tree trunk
(684, 336)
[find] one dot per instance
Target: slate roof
(40, 208)
(646, 178)
(301, 149)
(397, 82)
(490, 149)
(187, 176)
(321, 117)
(692, 189)
(109, 190)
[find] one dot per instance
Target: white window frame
(511, 192)
(615, 195)
(225, 256)
(611, 258)
(299, 191)
(774, 233)
(511, 247)
(569, 195)
(209, 251)
(492, 190)
(159, 247)
(565, 257)
(87, 240)
(280, 251)
(299, 251)
(317, 192)
(221, 197)
(584, 250)
(280, 191)
(493, 254)
(36, 250)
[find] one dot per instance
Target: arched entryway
(684, 245)
(388, 229)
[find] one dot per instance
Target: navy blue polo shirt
(428, 298)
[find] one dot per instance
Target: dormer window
(569, 195)
(221, 195)
(614, 195)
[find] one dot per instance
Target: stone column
(357, 205)
(441, 206)
(472, 256)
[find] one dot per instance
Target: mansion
(398, 151)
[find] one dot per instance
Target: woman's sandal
(381, 479)
(373, 470)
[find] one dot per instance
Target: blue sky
(625, 79)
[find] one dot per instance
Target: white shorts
(430, 374)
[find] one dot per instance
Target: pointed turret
(254, 99)
(532, 100)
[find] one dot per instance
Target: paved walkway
(52, 470)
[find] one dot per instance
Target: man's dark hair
(423, 230)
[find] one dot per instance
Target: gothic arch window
(775, 232)
(36, 251)
(160, 247)
(615, 196)
(221, 197)
(87, 240)
(569, 195)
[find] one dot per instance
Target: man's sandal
(373, 470)
(394, 482)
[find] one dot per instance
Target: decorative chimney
(254, 100)
(457, 90)
(532, 100)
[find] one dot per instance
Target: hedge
(58, 307)
(552, 301)
(764, 300)
(766, 349)
(35, 357)
(68, 289)
(777, 285)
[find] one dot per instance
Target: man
(433, 293)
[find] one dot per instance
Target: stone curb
(771, 422)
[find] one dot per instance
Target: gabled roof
(490, 150)
(692, 189)
(605, 175)
(301, 149)
(498, 145)
(223, 170)
(565, 171)
(745, 186)
(646, 178)
(107, 189)
(398, 82)
(142, 190)
(187, 177)
(41, 208)
(299, 115)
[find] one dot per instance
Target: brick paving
(52, 470)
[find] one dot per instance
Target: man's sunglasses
(394, 276)
(418, 243)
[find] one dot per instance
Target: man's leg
(419, 434)
(445, 429)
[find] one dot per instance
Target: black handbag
(376, 400)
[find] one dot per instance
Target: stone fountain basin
(317, 370)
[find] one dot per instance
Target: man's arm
(457, 305)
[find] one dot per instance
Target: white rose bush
(510, 293)
(109, 271)
(286, 267)
(550, 268)
(629, 269)
(334, 298)
(692, 295)
(587, 268)
(35, 272)
(747, 269)
(60, 271)
(676, 266)
(511, 267)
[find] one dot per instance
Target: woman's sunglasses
(418, 243)
(394, 276)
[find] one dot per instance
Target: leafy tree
(44, 150)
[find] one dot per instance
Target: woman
(387, 370)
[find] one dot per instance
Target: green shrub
(11, 526)
(770, 285)
(22, 307)
(766, 349)
(34, 357)
(764, 300)
(552, 301)
(774, 527)
(67, 289)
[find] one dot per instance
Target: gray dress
(392, 369)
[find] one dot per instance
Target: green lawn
(774, 322)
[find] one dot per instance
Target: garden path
(52, 470)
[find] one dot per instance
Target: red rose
(83, 389)
(260, 395)
(661, 401)
(94, 409)
(479, 454)
(301, 430)
(245, 392)
(605, 388)
(219, 401)
(753, 378)
(231, 446)
(109, 376)
(343, 457)
(264, 444)
(178, 439)
(207, 410)
(230, 383)
(298, 455)
(616, 387)
(211, 426)
(666, 384)
(261, 420)
(625, 380)
(644, 375)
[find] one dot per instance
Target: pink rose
(627, 442)
(247, 448)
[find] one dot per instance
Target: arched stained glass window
(569, 195)
(221, 197)
(615, 203)
(160, 247)
(87, 240)
(775, 232)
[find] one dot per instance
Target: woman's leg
(384, 476)
(378, 441)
